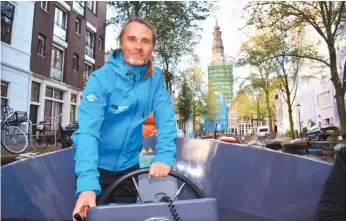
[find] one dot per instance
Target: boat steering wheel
(112, 188)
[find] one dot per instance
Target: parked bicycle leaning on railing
(51, 131)
(13, 138)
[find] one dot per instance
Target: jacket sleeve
(86, 138)
(165, 149)
(333, 203)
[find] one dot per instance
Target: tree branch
(306, 18)
(339, 18)
(312, 5)
(325, 21)
(294, 55)
(295, 85)
(329, 12)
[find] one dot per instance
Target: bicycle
(46, 136)
(11, 132)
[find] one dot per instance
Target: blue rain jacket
(116, 101)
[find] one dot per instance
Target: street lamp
(300, 129)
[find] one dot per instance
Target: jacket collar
(116, 59)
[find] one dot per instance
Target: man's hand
(159, 169)
(85, 200)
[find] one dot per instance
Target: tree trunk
(339, 89)
(258, 111)
(170, 87)
(339, 96)
(291, 120)
(270, 117)
(289, 105)
(193, 118)
(166, 79)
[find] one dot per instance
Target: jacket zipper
(125, 141)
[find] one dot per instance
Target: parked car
(321, 132)
(262, 131)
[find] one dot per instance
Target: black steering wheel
(141, 171)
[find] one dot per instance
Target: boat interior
(211, 181)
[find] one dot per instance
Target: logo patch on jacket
(91, 97)
(117, 109)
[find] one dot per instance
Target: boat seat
(204, 209)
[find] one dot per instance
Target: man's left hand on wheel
(159, 169)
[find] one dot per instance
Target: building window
(4, 94)
(89, 48)
(72, 113)
(75, 62)
(58, 94)
(60, 18)
(77, 26)
(101, 44)
(73, 98)
(73, 108)
(56, 60)
(7, 16)
(78, 6)
(53, 105)
(35, 91)
(49, 92)
(326, 99)
(44, 5)
(41, 45)
(87, 71)
(92, 6)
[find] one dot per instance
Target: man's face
(137, 44)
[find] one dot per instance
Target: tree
(326, 18)
(262, 51)
(176, 25)
(197, 85)
(184, 101)
(258, 99)
(212, 105)
(254, 52)
(245, 107)
(286, 74)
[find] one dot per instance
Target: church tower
(218, 54)
(220, 79)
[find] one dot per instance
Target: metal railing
(51, 133)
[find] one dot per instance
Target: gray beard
(135, 62)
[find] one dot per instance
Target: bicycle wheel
(14, 139)
(40, 140)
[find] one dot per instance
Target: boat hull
(249, 183)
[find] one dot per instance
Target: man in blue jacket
(116, 101)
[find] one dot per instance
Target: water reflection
(324, 156)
